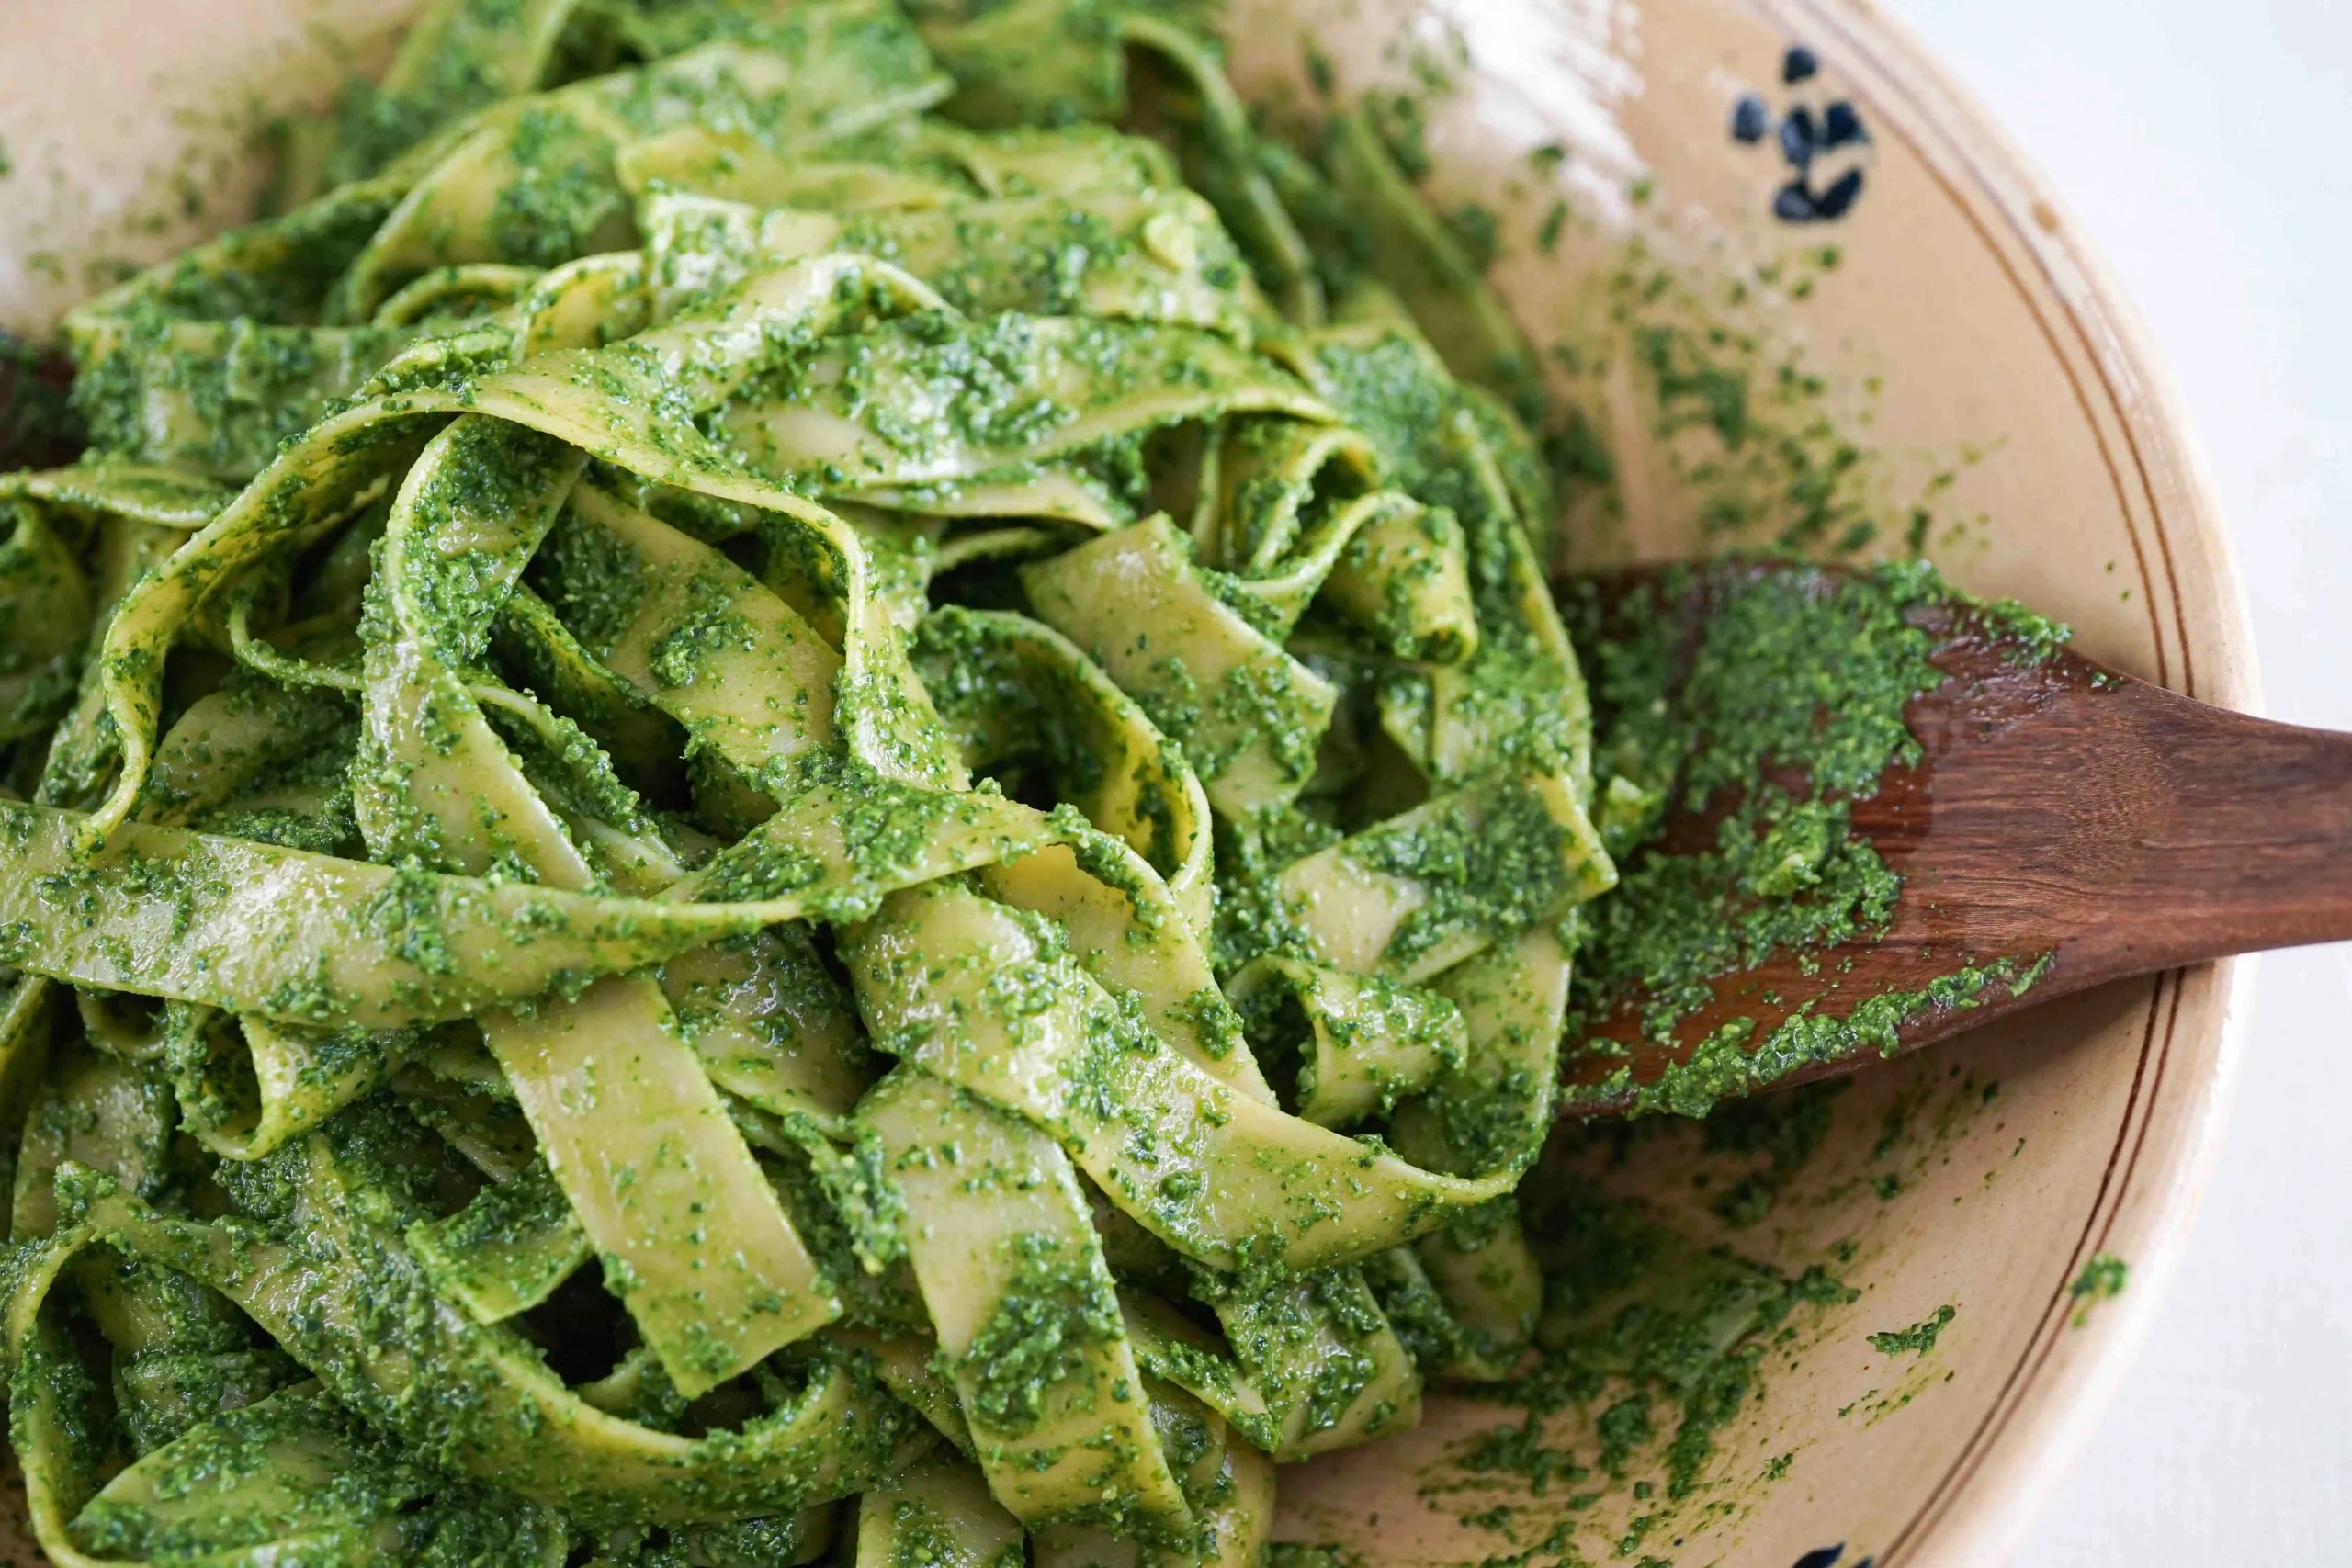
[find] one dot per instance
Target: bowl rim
(2050, 1402)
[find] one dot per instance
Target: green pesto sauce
(1053, 1317)
(1919, 1338)
(1785, 1129)
(1744, 422)
(1730, 1062)
(1497, 869)
(1789, 708)
(919, 1538)
(1653, 1340)
(564, 194)
(2102, 1279)
(1658, 1340)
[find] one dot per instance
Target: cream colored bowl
(1963, 359)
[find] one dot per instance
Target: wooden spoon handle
(2121, 827)
(2231, 834)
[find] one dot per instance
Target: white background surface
(2206, 147)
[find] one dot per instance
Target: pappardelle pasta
(797, 785)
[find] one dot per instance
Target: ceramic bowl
(1929, 355)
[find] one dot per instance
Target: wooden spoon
(2065, 824)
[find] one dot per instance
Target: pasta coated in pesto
(797, 784)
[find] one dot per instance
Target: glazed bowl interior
(1926, 362)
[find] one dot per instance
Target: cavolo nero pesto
(796, 772)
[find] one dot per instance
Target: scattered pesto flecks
(1787, 1129)
(1654, 1341)
(1920, 1127)
(1919, 1338)
(1745, 422)
(1303, 1554)
(2102, 1278)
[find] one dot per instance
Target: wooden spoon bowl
(2063, 825)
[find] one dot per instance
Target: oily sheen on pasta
(797, 785)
